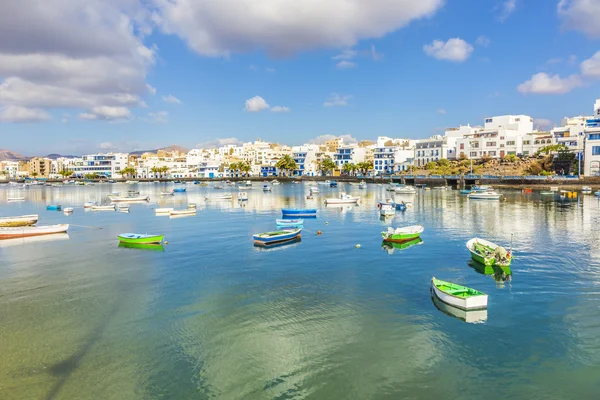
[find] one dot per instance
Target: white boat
(491, 195)
(26, 231)
(343, 199)
(324, 183)
(362, 185)
(275, 182)
(586, 190)
(266, 188)
(219, 186)
(386, 210)
(132, 182)
(34, 239)
(242, 196)
(244, 187)
(391, 187)
(171, 193)
(163, 211)
(406, 190)
(122, 208)
(472, 317)
(89, 204)
(440, 188)
(459, 296)
(219, 197)
(119, 199)
(21, 220)
(103, 208)
(14, 199)
(314, 189)
(179, 213)
(68, 210)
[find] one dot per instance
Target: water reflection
(34, 240)
(499, 274)
(142, 246)
(392, 247)
(475, 316)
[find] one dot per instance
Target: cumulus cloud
(106, 113)
(60, 56)
(506, 8)
(543, 123)
(171, 99)
(590, 68)
(483, 41)
(283, 27)
(256, 104)
(543, 83)
(335, 100)
(345, 64)
(159, 117)
(22, 114)
(455, 49)
(580, 15)
(324, 138)
(212, 144)
(280, 109)
(151, 89)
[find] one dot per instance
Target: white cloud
(483, 41)
(345, 64)
(22, 114)
(347, 54)
(61, 56)
(543, 83)
(376, 56)
(107, 146)
(256, 104)
(455, 49)
(151, 89)
(171, 99)
(580, 15)
(280, 109)
(159, 117)
(283, 27)
(335, 99)
(590, 68)
(106, 113)
(442, 111)
(212, 144)
(324, 138)
(506, 9)
(543, 123)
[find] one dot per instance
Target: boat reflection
(278, 245)
(143, 246)
(392, 247)
(499, 274)
(34, 239)
(472, 317)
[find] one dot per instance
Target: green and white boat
(390, 247)
(472, 317)
(140, 238)
(459, 296)
(488, 253)
(401, 235)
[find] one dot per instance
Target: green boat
(459, 296)
(402, 235)
(488, 253)
(140, 238)
(390, 247)
(143, 246)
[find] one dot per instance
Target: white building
(306, 159)
(433, 149)
(108, 165)
(10, 168)
(534, 141)
(349, 154)
(591, 163)
(392, 155)
(521, 124)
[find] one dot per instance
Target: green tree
(486, 158)
(128, 172)
(552, 148)
(364, 167)
(431, 166)
(245, 168)
(286, 164)
(234, 168)
(444, 163)
(65, 173)
(349, 168)
(326, 166)
(511, 158)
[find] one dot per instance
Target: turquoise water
(212, 316)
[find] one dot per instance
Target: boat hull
(13, 222)
(287, 212)
(13, 233)
(401, 238)
(466, 304)
(290, 223)
(276, 237)
(142, 239)
(487, 261)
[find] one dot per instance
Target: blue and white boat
(481, 188)
(269, 238)
(290, 223)
(179, 190)
(299, 212)
(53, 207)
(333, 184)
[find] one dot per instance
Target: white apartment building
(433, 149)
(107, 165)
(306, 157)
(10, 168)
(591, 161)
(392, 155)
(571, 133)
(521, 124)
(177, 167)
(351, 153)
(534, 141)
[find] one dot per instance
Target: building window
(491, 144)
(462, 146)
(596, 150)
(537, 142)
(517, 119)
(488, 120)
(473, 154)
(492, 153)
(594, 136)
(501, 137)
(501, 145)
(525, 142)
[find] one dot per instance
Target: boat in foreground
(142, 246)
(21, 220)
(459, 296)
(290, 223)
(401, 235)
(27, 231)
(390, 247)
(473, 316)
(343, 199)
(299, 212)
(488, 253)
(140, 238)
(268, 238)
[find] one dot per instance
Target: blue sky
(381, 73)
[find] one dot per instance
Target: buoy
(166, 242)
(357, 246)
(326, 223)
(319, 232)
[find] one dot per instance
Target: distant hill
(7, 155)
(173, 147)
(55, 156)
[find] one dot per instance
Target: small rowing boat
(267, 188)
(242, 196)
(68, 210)
(27, 231)
(53, 207)
(123, 208)
(89, 204)
(219, 197)
(290, 223)
(15, 199)
(401, 235)
(299, 212)
(405, 190)
(472, 317)
(179, 213)
(269, 238)
(163, 211)
(179, 190)
(118, 199)
(343, 199)
(488, 253)
(167, 193)
(22, 220)
(459, 296)
(490, 195)
(386, 209)
(140, 238)
(103, 208)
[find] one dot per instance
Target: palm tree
(233, 168)
(326, 166)
(245, 168)
(65, 173)
(349, 168)
(286, 164)
(364, 167)
(155, 171)
(164, 171)
(129, 171)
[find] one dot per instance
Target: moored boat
(242, 196)
(472, 316)
(333, 184)
(21, 220)
(124, 208)
(119, 199)
(586, 190)
(405, 190)
(27, 231)
(104, 208)
(89, 204)
(490, 195)
(163, 211)
(171, 193)
(465, 191)
(400, 235)
(459, 296)
(386, 209)
(140, 238)
(324, 183)
(391, 247)
(68, 210)
(15, 199)
(290, 223)
(179, 190)
(343, 199)
(314, 189)
(488, 253)
(275, 182)
(299, 212)
(362, 185)
(53, 207)
(274, 237)
(267, 188)
(179, 213)
(219, 197)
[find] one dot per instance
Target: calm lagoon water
(212, 316)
